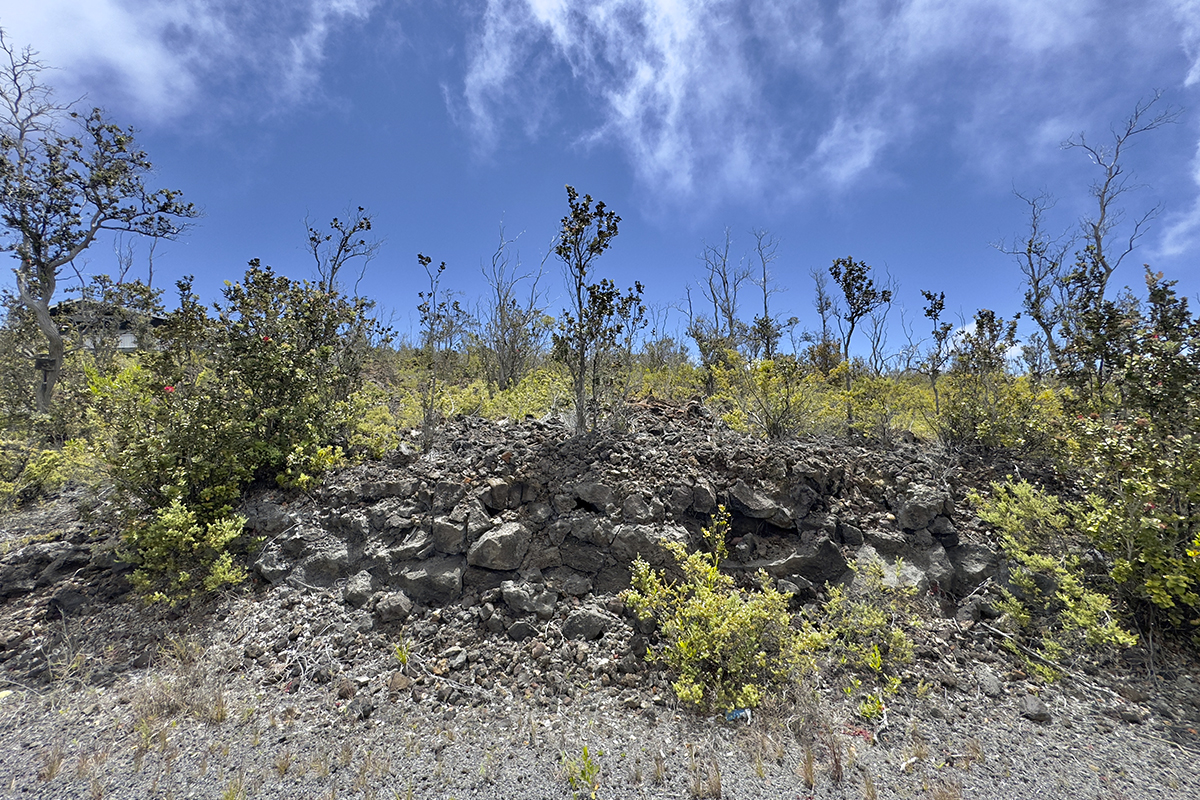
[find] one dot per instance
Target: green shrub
(178, 556)
(264, 391)
(1141, 510)
(29, 472)
(1001, 411)
(1051, 600)
(728, 647)
(775, 398)
(886, 405)
(540, 392)
(865, 626)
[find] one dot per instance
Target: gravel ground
(291, 694)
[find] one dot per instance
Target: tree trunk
(52, 366)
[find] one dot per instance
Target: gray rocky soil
(451, 625)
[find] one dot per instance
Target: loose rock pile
(528, 515)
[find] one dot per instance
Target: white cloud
(164, 58)
(1187, 17)
(767, 94)
(1182, 232)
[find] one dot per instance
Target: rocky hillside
(528, 509)
(451, 625)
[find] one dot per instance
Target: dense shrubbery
(731, 646)
(265, 390)
(1053, 600)
(727, 646)
(261, 391)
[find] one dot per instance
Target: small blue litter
(738, 714)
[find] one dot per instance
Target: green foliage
(679, 381)
(582, 773)
(1051, 598)
(984, 405)
(178, 556)
(595, 336)
(774, 398)
(375, 427)
(29, 472)
(1138, 452)
(885, 406)
(262, 392)
(258, 392)
(540, 392)
(728, 647)
(866, 627)
(1002, 411)
(1142, 512)
(861, 298)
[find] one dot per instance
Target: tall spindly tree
(65, 179)
(861, 298)
(598, 315)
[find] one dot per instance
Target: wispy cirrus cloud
(766, 95)
(166, 58)
(1182, 231)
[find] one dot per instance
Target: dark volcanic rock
(586, 624)
(437, 580)
(502, 548)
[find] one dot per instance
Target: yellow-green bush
(177, 555)
(1002, 411)
(729, 647)
(884, 406)
(776, 398)
(867, 625)
(28, 472)
(674, 382)
(1141, 510)
(1052, 602)
(540, 392)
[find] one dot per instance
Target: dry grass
(945, 790)
(974, 751)
(836, 768)
(52, 761)
(869, 787)
(191, 686)
(705, 773)
(807, 768)
(283, 762)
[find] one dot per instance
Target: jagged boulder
(648, 543)
(818, 561)
(920, 505)
(393, 607)
(525, 598)
(757, 505)
(358, 589)
(597, 495)
(973, 564)
(437, 580)
(586, 624)
(502, 548)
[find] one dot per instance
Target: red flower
(168, 389)
(266, 338)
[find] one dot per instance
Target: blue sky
(893, 131)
